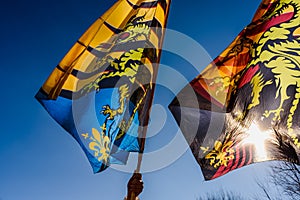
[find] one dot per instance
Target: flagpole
(143, 137)
(143, 131)
(140, 155)
(144, 127)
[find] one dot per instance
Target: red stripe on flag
(271, 22)
(244, 156)
(246, 78)
(237, 158)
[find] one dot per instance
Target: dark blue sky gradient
(38, 159)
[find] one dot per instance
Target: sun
(258, 138)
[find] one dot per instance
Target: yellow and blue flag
(101, 91)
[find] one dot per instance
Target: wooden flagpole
(144, 127)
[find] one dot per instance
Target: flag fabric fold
(244, 107)
(101, 91)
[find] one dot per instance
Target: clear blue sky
(40, 161)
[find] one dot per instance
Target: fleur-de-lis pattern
(99, 144)
(221, 154)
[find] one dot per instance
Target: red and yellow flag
(247, 100)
